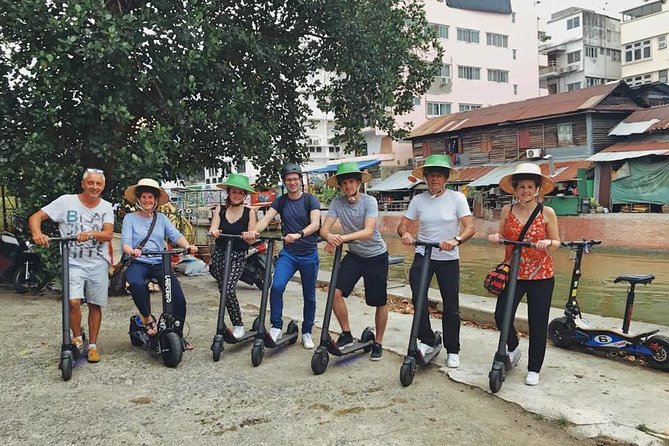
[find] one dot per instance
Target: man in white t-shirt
(90, 219)
(443, 217)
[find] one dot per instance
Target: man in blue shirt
(300, 219)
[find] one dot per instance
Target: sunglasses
(89, 170)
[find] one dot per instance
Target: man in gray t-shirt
(367, 257)
(90, 219)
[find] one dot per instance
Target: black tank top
(236, 228)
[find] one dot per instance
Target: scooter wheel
(32, 281)
(172, 350)
(66, 368)
(217, 350)
(408, 371)
(660, 346)
(257, 353)
(292, 328)
(496, 377)
(367, 336)
(319, 361)
(559, 333)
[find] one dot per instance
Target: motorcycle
(19, 264)
(254, 271)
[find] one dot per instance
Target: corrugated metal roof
(551, 105)
(397, 181)
(564, 171)
(635, 149)
(471, 173)
(648, 120)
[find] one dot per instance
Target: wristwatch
(301, 234)
(458, 239)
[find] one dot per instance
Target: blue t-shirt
(135, 228)
(294, 219)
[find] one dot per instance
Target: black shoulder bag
(117, 282)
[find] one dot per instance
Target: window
(513, 17)
(592, 81)
(637, 51)
(438, 108)
(445, 70)
(498, 75)
(416, 101)
(638, 80)
(662, 42)
(515, 88)
(574, 86)
(574, 23)
(590, 51)
(564, 134)
(241, 167)
(465, 72)
(500, 40)
(615, 55)
(662, 76)
(440, 30)
(574, 56)
(468, 35)
(514, 53)
(467, 107)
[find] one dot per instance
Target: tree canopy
(162, 88)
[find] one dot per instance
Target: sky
(611, 7)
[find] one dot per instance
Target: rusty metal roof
(544, 106)
(565, 170)
(650, 120)
(632, 149)
(471, 173)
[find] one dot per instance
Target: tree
(161, 88)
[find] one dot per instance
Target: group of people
(436, 215)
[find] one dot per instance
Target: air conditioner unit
(572, 67)
(533, 153)
(445, 80)
(560, 70)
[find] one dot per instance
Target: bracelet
(301, 232)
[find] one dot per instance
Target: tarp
(501, 6)
(362, 165)
(397, 181)
(647, 182)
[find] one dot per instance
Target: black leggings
(539, 295)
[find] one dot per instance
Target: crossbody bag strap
(526, 228)
(146, 239)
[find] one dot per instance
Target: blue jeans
(286, 266)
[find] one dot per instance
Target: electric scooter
(69, 353)
(254, 271)
(414, 355)
(19, 264)
(262, 337)
(572, 329)
(168, 341)
(223, 333)
(320, 359)
(502, 363)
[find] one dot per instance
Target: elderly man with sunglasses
(90, 219)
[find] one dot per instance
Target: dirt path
(131, 398)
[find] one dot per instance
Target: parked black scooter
(262, 337)
(320, 359)
(223, 333)
(19, 264)
(414, 355)
(69, 353)
(168, 342)
(502, 363)
(254, 271)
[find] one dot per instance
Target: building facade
(582, 48)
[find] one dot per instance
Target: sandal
(187, 345)
(151, 328)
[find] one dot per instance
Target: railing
(396, 205)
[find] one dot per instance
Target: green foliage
(325, 194)
(160, 89)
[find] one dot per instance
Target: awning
(564, 171)
(362, 165)
(493, 177)
(397, 181)
(628, 150)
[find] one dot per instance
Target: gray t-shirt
(352, 218)
(72, 218)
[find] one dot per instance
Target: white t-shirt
(72, 218)
(439, 220)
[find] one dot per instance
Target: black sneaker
(377, 352)
(345, 339)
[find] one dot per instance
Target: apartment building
(644, 34)
(582, 49)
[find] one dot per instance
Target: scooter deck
(228, 338)
(425, 360)
(351, 348)
(286, 338)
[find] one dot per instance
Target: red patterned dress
(535, 264)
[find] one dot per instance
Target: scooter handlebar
(577, 243)
(170, 252)
(521, 243)
(422, 243)
(62, 239)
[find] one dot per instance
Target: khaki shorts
(93, 281)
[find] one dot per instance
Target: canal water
(597, 294)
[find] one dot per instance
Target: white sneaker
(307, 341)
(514, 357)
(532, 379)
(238, 331)
(453, 360)
(425, 349)
(275, 333)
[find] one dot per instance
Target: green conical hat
(236, 180)
(345, 168)
(437, 161)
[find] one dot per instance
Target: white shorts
(94, 281)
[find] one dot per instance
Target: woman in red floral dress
(535, 273)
